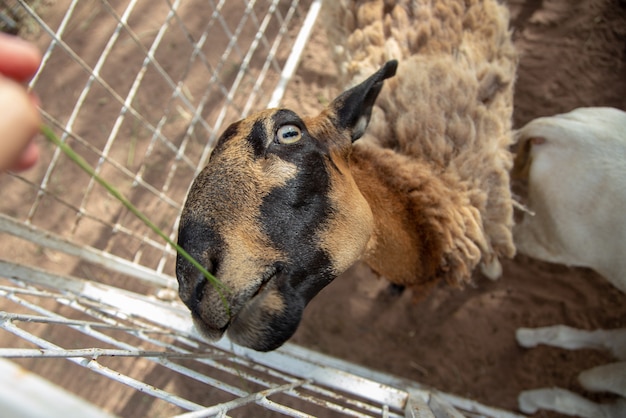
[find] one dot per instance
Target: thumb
(19, 123)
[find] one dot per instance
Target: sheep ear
(354, 107)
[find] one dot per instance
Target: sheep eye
(288, 134)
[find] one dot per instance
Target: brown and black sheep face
(275, 216)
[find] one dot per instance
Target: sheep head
(276, 215)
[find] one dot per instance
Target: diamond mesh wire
(141, 89)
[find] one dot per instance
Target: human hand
(19, 117)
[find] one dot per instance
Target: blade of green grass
(84, 165)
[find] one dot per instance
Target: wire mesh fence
(141, 90)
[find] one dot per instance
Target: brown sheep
(287, 203)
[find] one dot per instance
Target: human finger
(19, 59)
(27, 159)
(19, 123)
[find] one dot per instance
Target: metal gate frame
(310, 377)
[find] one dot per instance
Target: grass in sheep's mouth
(84, 165)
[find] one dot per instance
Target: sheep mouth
(207, 331)
(248, 299)
(231, 307)
(265, 280)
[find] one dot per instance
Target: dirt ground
(572, 54)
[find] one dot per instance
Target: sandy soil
(572, 54)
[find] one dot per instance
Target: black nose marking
(192, 288)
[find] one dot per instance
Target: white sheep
(287, 203)
(575, 165)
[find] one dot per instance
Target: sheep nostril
(192, 282)
(191, 287)
(191, 291)
(200, 286)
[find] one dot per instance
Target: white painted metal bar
(293, 360)
(271, 55)
(27, 395)
(54, 242)
(94, 354)
(92, 365)
(294, 59)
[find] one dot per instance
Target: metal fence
(141, 89)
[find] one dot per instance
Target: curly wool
(440, 129)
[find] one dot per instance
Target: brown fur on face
(276, 222)
(233, 184)
(344, 234)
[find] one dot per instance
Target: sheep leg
(566, 402)
(572, 339)
(605, 378)
(492, 270)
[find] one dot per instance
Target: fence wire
(141, 90)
